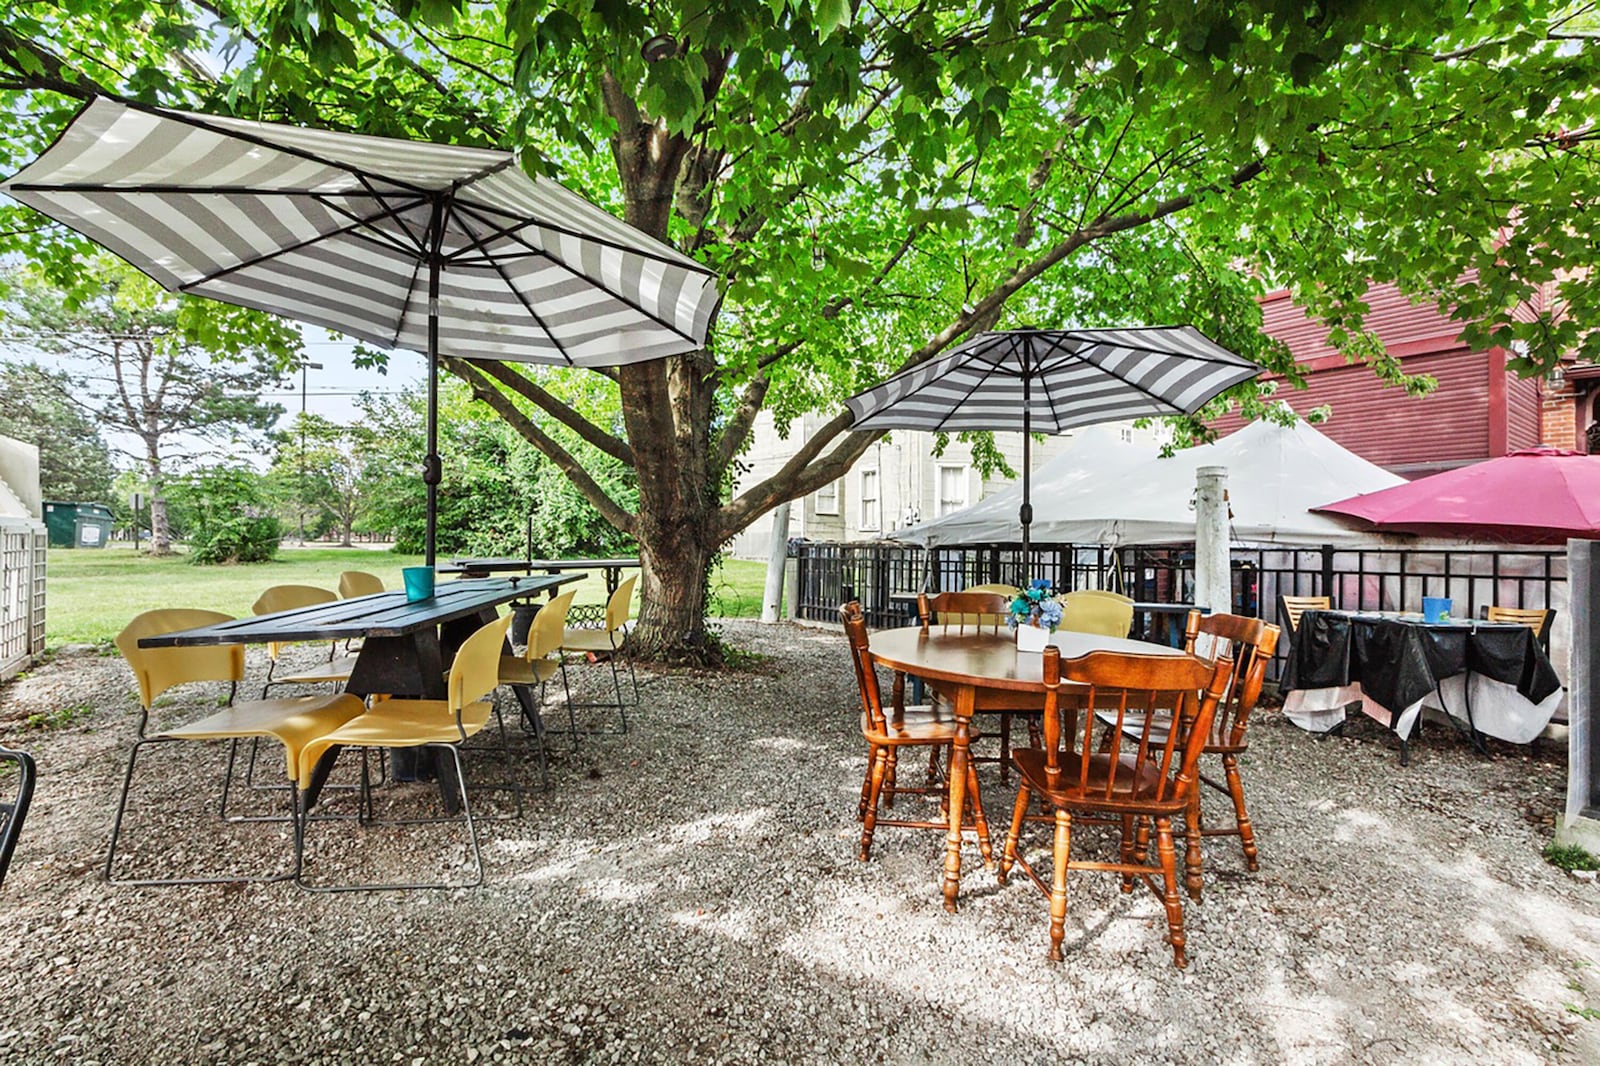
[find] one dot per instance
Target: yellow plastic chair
(539, 663)
(443, 725)
(336, 671)
(606, 644)
(1010, 592)
(1106, 614)
(353, 583)
(293, 722)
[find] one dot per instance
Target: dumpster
(77, 525)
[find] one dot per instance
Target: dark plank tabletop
(384, 614)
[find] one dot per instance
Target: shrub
(224, 513)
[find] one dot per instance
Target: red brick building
(1479, 410)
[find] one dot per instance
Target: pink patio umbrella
(1536, 496)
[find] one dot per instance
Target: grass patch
(92, 593)
(1570, 857)
(59, 718)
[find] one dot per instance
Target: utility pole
(304, 366)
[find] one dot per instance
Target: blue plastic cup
(419, 582)
(1436, 608)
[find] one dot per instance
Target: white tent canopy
(1103, 491)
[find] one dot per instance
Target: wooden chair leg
(889, 780)
(1141, 839)
(1058, 884)
(934, 774)
(975, 799)
(1008, 854)
(1005, 748)
(1192, 860)
(870, 821)
(866, 782)
(1169, 895)
(1247, 833)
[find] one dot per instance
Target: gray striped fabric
(1075, 378)
(333, 229)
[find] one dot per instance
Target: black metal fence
(885, 577)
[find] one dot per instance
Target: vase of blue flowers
(1034, 614)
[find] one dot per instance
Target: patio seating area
(690, 890)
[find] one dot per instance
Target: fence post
(1327, 572)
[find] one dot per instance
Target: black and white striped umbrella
(436, 248)
(1052, 380)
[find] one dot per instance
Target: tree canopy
(875, 179)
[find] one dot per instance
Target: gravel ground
(689, 892)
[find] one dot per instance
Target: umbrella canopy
(440, 249)
(1046, 381)
(1536, 496)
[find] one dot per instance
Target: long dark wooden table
(978, 671)
(406, 646)
(612, 567)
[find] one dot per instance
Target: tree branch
(738, 428)
(529, 390)
(484, 390)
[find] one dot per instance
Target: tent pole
(432, 473)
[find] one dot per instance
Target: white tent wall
(1101, 491)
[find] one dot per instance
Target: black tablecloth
(1398, 661)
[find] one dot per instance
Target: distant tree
(225, 514)
(319, 468)
(153, 365)
(74, 462)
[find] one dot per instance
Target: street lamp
(304, 366)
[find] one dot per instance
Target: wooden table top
(989, 660)
(383, 614)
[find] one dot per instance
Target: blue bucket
(1436, 608)
(419, 582)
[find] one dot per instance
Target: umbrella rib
(391, 212)
(518, 293)
(513, 236)
(993, 367)
(510, 231)
(359, 223)
(367, 222)
(405, 302)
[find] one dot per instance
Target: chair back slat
(288, 598)
(855, 630)
(1147, 688)
(620, 604)
(1292, 608)
(476, 670)
(1107, 614)
(353, 583)
(158, 669)
(1536, 619)
(548, 631)
(1249, 643)
(968, 611)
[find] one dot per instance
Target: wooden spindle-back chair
(886, 732)
(975, 611)
(1144, 775)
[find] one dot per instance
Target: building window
(871, 516)
(1127, 434)
(953, 482)
(827, 498)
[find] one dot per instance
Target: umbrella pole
(1025, 513)
(431, 472)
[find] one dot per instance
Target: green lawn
(91, 594)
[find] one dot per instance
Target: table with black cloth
(1493, 678)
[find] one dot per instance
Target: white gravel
(689, 893)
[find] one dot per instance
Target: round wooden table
(975, 671)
